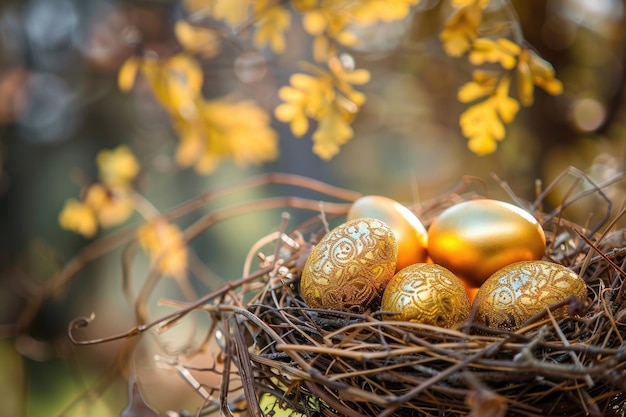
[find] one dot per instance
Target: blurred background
(60, 104)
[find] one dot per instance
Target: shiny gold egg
(428, 294)
(518, 291)
(350, 266)
(475, 238)
(410, 233)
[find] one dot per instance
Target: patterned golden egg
(475, 238)
(517, 292)
(350, 266)
(410, 233)
(426, 293)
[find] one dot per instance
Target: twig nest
(428, 294)
(350, 267)
(521, 290)
(475, 238)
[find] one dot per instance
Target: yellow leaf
(347, 38)
(321, 48)
(290, 113)
(251, 139)
(112, 206)
(191, 144)
(329, 99)
(481, 120)
(117, 166)
(331, 132)
(482, 145)
(314, 22)
(227, 130)
(302, 81)
(483, 123)
(128, 73)
(233, 12)
(461, 29)
(271, 405)
(543, 74)
(197, 40)
(525, 84)
(357, 76)
(484, 84)
(288, 93)
(501, 51)
(356, 98)
(299, 98)
(271, 27)
(184, 77)
(164, 243)
(370, 11)
(79, 218)
(464, 3)
(176, 83)
(506, 106)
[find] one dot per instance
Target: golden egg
(476, 238)
(410, 234)
(518, 291)
(350, 266)
(428, 294)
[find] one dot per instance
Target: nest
(333, 363)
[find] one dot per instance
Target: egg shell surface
(350, 267)
(409, 231)
(518, 291)
(426, 293)
(476, 238)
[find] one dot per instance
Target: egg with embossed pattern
(350, 267)
(410, 233)
(426, 293)
(519, 291)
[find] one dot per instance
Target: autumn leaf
(533, 70)
(112, 206)
(107, 203)
(464, 3)
(246, 128)
(164, 243)
(272, 405)
(332, 132)
(307, 96)
(232, 12)
(101, 207)
(461, 29)
(273, 22)
(78, 217)
(117, 167)
(483, 123)
(370, 11)
(327, 97)
(226, 129)
(209, 131)
(128, 73)
(200, 40)
(484, 84)
(501, 50)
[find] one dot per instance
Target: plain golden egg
(476, 238)
(428, 294)
(350, 266)
(410, 233)
(521, 290)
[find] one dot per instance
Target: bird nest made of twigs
(317, 362)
